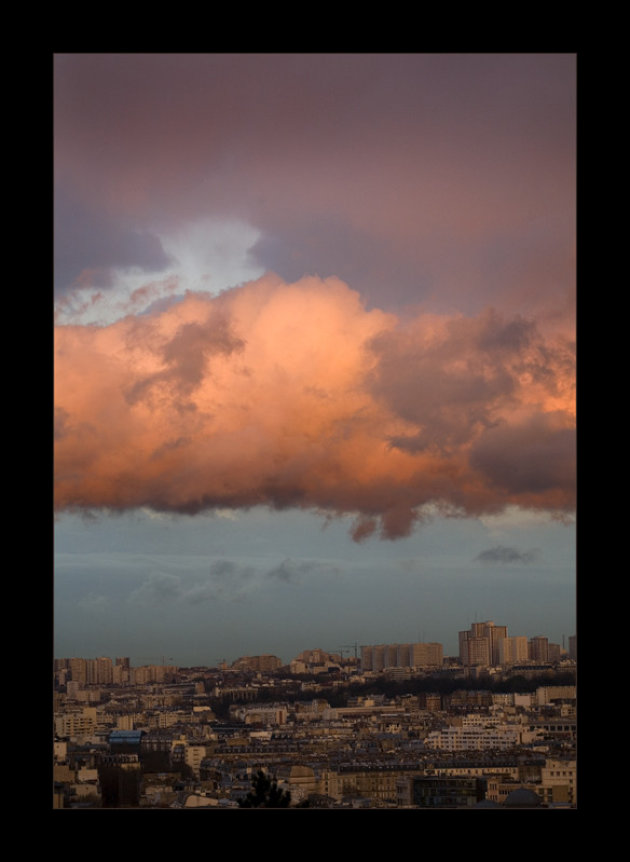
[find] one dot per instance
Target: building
(104, 671)
(512, 650)
(193, 757)
(257, 663)
(500, 787)
(271, 714)
(440, 792)
(555, 652)
(426, 655)
(315, 661)
(78, 670)
(411, 655)
(432, 702)
(301, 781)
(539, 650)
(559, 781)
(480, 645)
(125, 741)
(546, 694)
(119, 777)
(152, 673)
(77, 723)
(474, 737)
(121, 674)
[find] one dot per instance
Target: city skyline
(422, 655)
(314, 350)
(518, 649)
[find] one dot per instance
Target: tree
(265, 793)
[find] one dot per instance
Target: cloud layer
(296, 395)
(447, 179)
(427, 183)
(502, 555)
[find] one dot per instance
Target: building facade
(411, 655)
(480, 645)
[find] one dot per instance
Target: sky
(314, 371)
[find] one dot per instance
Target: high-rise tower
(479, 646)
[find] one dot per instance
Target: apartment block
(559, 781)
(538, 649)
(76, 723)
(412, 655)
(512, 650)
(480, 645)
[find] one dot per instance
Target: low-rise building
(559, 781)
(440, 792)
(473, 738)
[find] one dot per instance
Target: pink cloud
(295, 395)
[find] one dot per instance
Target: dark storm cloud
(326, 246)
(530, 457)
(89, 245)
(388, 161)
(504, 555)
(448, 377)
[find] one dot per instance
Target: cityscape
(386, 726)
(314, 425)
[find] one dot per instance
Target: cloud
(295, 395)
(528, 458)
(446, 375)
(504, 555)
(94, 605)
(291, 571)
(157, 588)
(89, 246)
(116, 271)
(326, 245)
(224, 581)
(412, 176)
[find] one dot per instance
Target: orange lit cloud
(295, 395)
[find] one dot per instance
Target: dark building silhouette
(125, 741)
(447, 791)
(120, 779)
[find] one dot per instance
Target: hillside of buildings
(328, 731)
